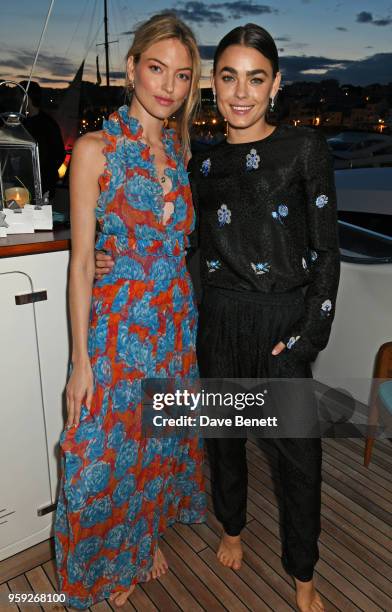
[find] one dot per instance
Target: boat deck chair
(380, 395)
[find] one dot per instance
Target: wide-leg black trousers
(236, 334)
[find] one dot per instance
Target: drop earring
(129, 90)
(214, 96)
(272, 104)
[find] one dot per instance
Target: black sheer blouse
(267, 221)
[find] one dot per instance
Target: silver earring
(272, 104)
(214, 94)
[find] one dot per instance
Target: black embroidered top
(267, 221)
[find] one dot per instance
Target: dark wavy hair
(254, 36)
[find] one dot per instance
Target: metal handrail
(25, 101)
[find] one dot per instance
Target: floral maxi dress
(119, 490)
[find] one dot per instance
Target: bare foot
(159, 566)
(230, 551)
(308, 600)
(119, 598)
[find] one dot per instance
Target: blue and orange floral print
(119, 491)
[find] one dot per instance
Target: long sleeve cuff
(310, 334)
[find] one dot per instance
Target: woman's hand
(79, 390)
(278, 348)
(87, 164)
(103, 264)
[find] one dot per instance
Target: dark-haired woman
(267, 229)
(268, 240)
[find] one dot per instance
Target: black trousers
(236, 334)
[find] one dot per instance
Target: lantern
(20, 179)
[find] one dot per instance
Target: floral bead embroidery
(224, 215)
(206, 167)
(321, 201)
(313, 255)
(326, 308)
(282, 212)
(261, 267)
(292, 341)
(213, 265)
(304, 264)
(252, 160)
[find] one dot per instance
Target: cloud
(301, 68)
(240, 8)
(207, 51)
(364, 17)
(298, 45)
(12, 64)
(341, 29)
(382, 22)
(56, 65)
(199, 12)
(283, 38)
(43, 80)
(374, 69)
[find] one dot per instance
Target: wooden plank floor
(354, 571)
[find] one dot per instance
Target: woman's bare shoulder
(88, 155)
(90, 143)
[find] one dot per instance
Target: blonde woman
(119, 491)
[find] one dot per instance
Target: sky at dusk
(350, 40)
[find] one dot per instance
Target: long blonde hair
(161, 27)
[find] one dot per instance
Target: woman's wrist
(80, 360)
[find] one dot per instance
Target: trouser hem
(232, 531)
(302, 576)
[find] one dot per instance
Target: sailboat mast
(106, 42)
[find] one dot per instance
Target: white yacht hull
(34, 353)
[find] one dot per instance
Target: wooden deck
(354, 571)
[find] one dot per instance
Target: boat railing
(364, 246)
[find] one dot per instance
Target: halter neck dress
(119, 491)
